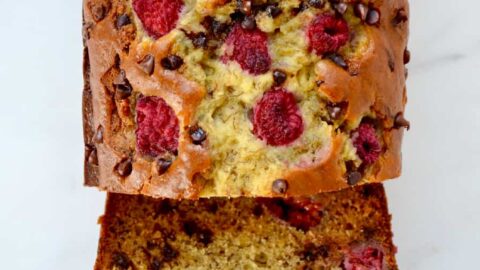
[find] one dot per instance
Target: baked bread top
(200, 98)
(346, 230)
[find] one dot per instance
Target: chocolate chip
(147, 64)
(249, 23)
(200, 40)
(373, 16)
(122, 20)
(163, 165)
(169, 253)
(338, 59)
(280, 186)
(353, 177)
(360, 11)
(218, 28)
(319, 82)
(335, 111)
(400, 17)
(198, 135)
(98, 137)
(205, 236)
(156, 264)
(273, 11)
(406, 56)
(341, 8)
(124, 167)
(245, 6)
(316, 3)
(122, 86)
(172, 62)
(93, 157)
(279, 77)
(98, 12)
(400, 121)
(121, 260)
(391, 62)
(312, 252)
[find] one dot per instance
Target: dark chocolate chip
(205, 236)
(335, 111)
(373, 16)
(93, 157)
(249, 23)
(122, 20)
(198, 135)
(316, 3)
(147, 64)
(406, 56)
(312, 253)
(360, 11)
(122, 86)
(391, 62)
(400, 121)
(121, 260)
(369, 232)
(319, 82)
(98, 12)
(341, 8)
(338, 59)
(353, 177)
(273, 11)
(169, 253)
(172, 62)
(400, 17)
(280, 186)
(156, 264)
(98, 138)
(279, 77)
(163, 165)
(245, 6)
(200, 40)
(218, 28)
(124, 167)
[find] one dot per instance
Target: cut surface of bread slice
(207, 98)
(349, 230)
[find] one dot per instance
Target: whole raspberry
(158, 16)
(302, 214)
(157, 127)
(364, 258)
(366, 142)
(249, 48)
(327, 33)
(276, 118)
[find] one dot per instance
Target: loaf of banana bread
(349, 229)
(201, 98)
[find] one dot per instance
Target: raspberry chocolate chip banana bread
(201, 98)
(349, 229)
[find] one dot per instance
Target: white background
(48, 219)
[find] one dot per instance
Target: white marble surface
(48, 220)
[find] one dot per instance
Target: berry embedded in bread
(349, 229)
(201, 98)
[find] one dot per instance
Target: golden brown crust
(379, 73)
(235, 231)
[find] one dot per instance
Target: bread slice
(202, 98)
(349, 230)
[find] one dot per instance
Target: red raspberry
(158, 16)
(364, 258)
(249, 48)
(327, 33)
(367, 144)
(157, 127)
(302, 214)
(276, 118)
